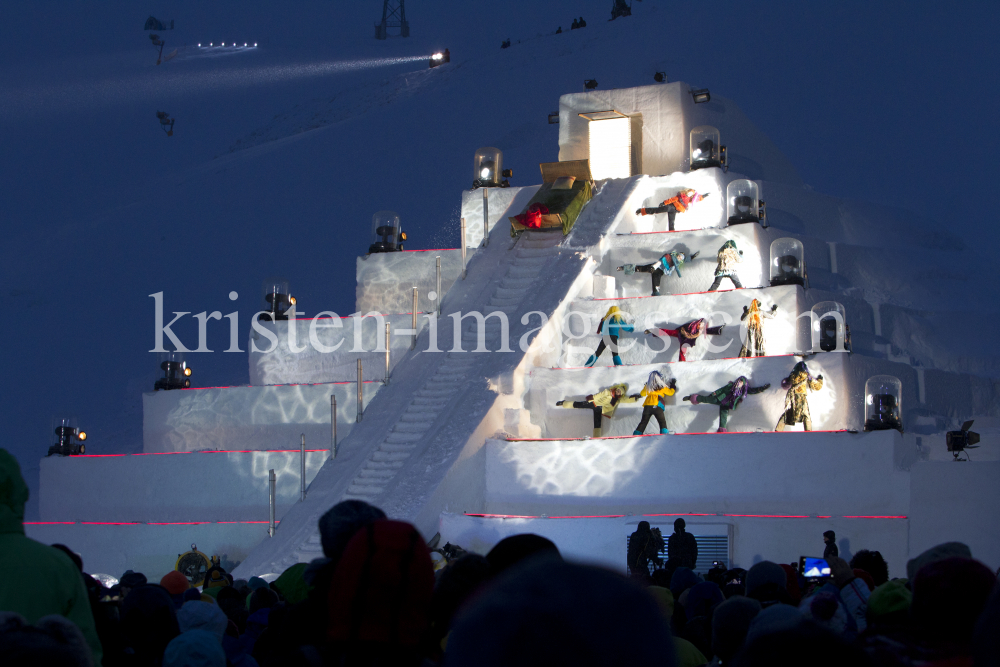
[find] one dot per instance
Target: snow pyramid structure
(458, 430)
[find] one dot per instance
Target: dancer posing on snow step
(666, 265)
(656, 388)
(798, 383)
(687, 334)
(728, 398)
(753, 316)
(679, 203)
(729, 256)
(603, 403)
(612, 324)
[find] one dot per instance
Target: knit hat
(255, 583)
(292, 585)
(702, 598)
(196, 648)
(548, 612)
(683, 579)
(940, 552)
(730, 623)
(516, 548)
(775, 618)
(766, 572)
(341, 522)
(664, 598)
(890, 597)
(190, 594)
(826, 610)
(132, 579)
(175, 582)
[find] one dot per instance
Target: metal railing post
(270, 483)
(333, 426)
(463, 248)
(387, 332)
(302, 468)
(439, 295)
(413, 343)
(486, 217)
(360, 395)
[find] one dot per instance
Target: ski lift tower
(393, 16)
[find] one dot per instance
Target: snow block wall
(257, 418)
(183, 487)
(386, 279)
(327, 349)
(835, 407)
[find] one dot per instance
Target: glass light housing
(829, 327)
(883, 403)
(704, 145)
(487, 167)
(742, 201)
(278, 300)
(788, 265)
(387, 233)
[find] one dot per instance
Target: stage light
(788, 265)
(487, 169)
(660, 77)
(175, 372)
(590, 84)
(244, 43)
(883, 403)
(70, 439)
(959, 441)
(440, 58)
(701, 96)
(255, 43)
(277, 300)
(437, 56)
(199, 45)
(387, 233)
(554, 118)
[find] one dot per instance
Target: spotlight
(70, 440)
(660, 77)
(554, 118)
(487, 169)
(590, 84)
(199, 45)
(277, 301)
(440, 58)
(387, 233)
(959, 441)
(255, 43)
(244, 43)
(701, 96)
(176, 373)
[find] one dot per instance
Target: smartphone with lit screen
(814, 569)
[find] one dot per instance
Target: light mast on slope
(393, 16)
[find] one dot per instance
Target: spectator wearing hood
(202, 616)
(830, 550)
(457, 582)
(195, 648)
(873, 563)
(949, 595)
(38, 580)
(767, 583)
(853, 591)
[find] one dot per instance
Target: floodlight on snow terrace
(829, 327)
(69, 438)
(706, 151)
(959, 441)
(176, 372)
(440, 58)
(387, 233)
(743, 202)
(590, 84)
(883, 403)
(788, 264)
(554, 118)
(487, 169)
(610, 139)
(701, 96)
(660, 77)
(278, 301)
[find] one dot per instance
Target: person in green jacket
(37, 579)
(728, 398)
